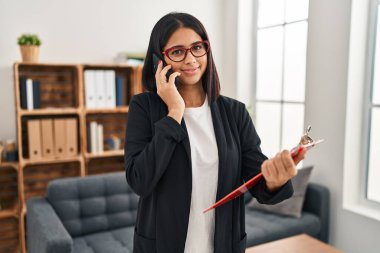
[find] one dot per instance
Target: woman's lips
(191, 71)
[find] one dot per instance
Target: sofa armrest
(317, 201)
(45, 231)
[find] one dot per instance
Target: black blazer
(158, 168)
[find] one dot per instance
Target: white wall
(91, 31)
(327, 71)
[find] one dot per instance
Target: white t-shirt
(205, 163)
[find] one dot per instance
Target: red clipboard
(244, 187)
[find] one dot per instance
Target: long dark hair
(160, 35)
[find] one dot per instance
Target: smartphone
(170, 71)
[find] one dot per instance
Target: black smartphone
(170, 71)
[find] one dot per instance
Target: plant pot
(30, 53)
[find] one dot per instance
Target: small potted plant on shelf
(29, 45)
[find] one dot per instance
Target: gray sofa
(97, 214)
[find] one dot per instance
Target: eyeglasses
(178, 54)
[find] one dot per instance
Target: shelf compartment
(9, 198)
(59, 84)
(37, 177)
(105, 165)
(25, 141)
(125, 72)
(9, 235)
(114, 124)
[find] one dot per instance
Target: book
(23, 96)
(36, 95)
(120, 101)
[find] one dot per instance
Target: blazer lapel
(185, 142)
(222, 147)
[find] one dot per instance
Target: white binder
(90, 88)
(29, 94)
(100, 89)
(110, 85)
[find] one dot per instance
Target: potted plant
(29, 45)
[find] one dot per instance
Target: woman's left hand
(279, 169)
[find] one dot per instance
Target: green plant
(28, 40)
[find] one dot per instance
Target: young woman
(188, 147)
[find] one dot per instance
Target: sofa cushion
(293, 205)
(262, 226)
(113, 241)
(93, 204)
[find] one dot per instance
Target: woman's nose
(189, 58)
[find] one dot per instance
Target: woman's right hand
(168, 92)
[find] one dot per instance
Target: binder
(47, 137)
(59, 138)
(110, 96)
(89, 85)
(119, 83)
(100, 89)
(34, 139)
(93, 137)
(29, 94)
(71, 137)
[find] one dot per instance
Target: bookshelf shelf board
(9, 212)
(9, 164)
(106, 66)
(50, 111)
(122, 109)
(51, 160)
(105, 154)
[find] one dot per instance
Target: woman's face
(191, 68)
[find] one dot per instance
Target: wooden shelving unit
(62, 95)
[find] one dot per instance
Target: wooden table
(295, 244)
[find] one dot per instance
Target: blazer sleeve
(146, 157)
(252, 159)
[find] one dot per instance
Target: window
(361, 191)
(280, 72)
(373, 178)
